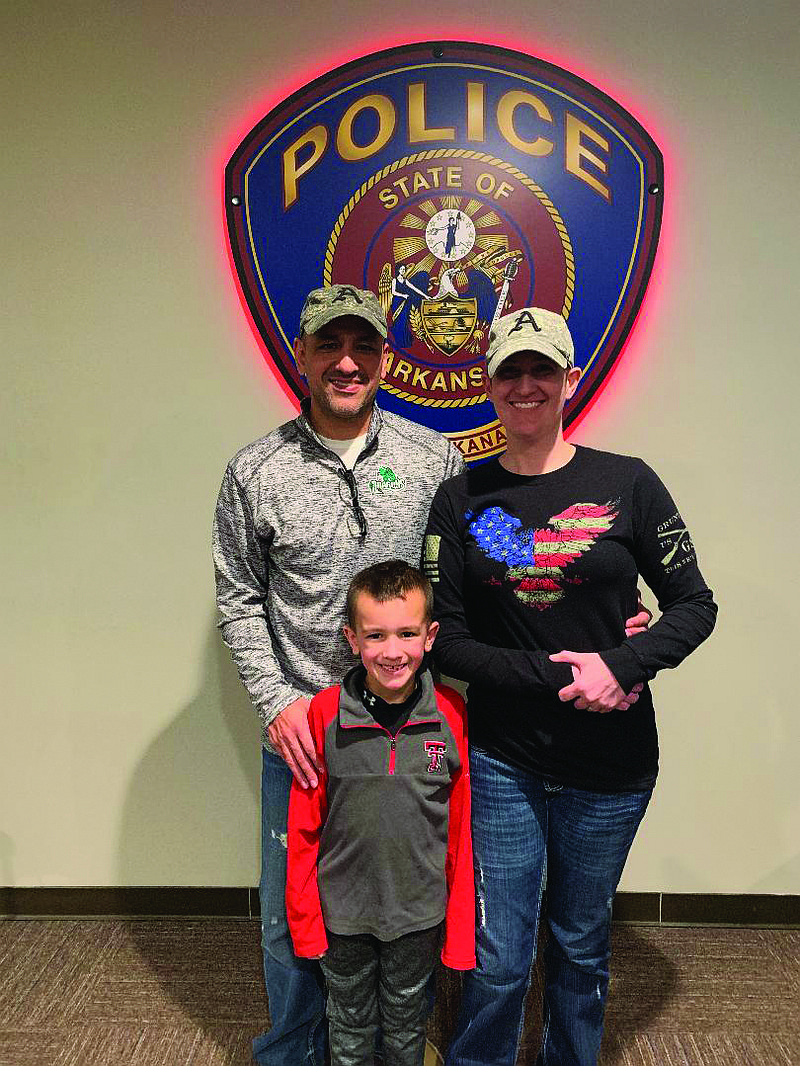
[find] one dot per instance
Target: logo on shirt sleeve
(675, 542)
(430, 557)
(435, 750)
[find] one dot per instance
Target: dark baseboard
(665, 908)
(134, 902)
(703, 909)
(637, 907)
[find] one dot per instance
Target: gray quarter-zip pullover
(292, 527)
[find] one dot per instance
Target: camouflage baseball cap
(324, 305)
(530, 329)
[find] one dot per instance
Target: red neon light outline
(653, 295)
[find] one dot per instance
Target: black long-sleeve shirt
(523, 566)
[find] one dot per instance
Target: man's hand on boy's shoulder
(291, 738)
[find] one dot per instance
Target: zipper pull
(392, 753)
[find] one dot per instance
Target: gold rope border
(467, 401)
(455, 153)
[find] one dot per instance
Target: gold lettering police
(582, 143)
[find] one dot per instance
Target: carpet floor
(190, 993)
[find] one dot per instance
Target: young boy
(380, 855)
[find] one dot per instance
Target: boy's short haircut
(390, 580)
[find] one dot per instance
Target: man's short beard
(339, 407)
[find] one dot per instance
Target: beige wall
(129, 753)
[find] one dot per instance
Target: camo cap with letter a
(335, 301)
(530, 329)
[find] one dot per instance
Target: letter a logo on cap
(345, 293)
(523, 318)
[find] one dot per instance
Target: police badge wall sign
(458, 181)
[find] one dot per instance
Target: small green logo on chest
(387, 481)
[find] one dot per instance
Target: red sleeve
(458, 951)
(308, 808)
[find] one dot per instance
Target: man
(341, 487)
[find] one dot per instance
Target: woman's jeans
(298, 1033)
(525, 830)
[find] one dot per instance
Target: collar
(303, 423)
(353, 713)
(373, 702)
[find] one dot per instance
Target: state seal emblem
(457, 181)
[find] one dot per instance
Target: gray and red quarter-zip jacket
(382, 845)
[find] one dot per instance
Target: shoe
(432, 1056)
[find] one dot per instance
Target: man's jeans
(294, 986)
(524, 829)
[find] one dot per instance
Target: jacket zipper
(393, 739)
(393, 745)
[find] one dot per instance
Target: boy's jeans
(522, 826)
(294, 986)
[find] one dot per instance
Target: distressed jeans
(526, 829)
(298, 1033)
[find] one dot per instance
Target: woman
(535, 559)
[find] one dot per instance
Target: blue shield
(459, 182)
